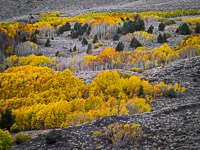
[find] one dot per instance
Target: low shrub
(168, 22)
(53, 136)
(120, 134)
(139, 70)
(171, 93)
(125, 75)
(95, 133)
(21, 138)
(5, 140)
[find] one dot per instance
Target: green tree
(67, 26)
(89, 30)
(197, 29)
(171, 93)
(164, 38)
(183, 29)
(159, 39)
(80, 38)
(95, 40)
(57, 53)
(161, 26)
(120, 47)
(37, 32)
(84, 42)
(74, 34)
(7, 120)
(24, 39)
(116, 37)
(33, 38)
(135, 43)
(89, 48)
(47, 44)
(141, 92)
(150, 30)
(74, 49)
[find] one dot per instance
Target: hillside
(19, 8)
(172, 123)
(99, 74)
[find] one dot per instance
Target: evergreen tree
(73, 34)
(89, 48)
(33, 39)
(7, 120)
(171, 93)
(120, 47)
(47, 44)
(116, 37)
(135, 43)
(95, 40)
(24, 39)
(74, 49)
(37, 32)
(150, 30)
(184, 29)
(80, 38)
(161, 26)
(89, 30)
(164, 38)
(137, 17)
(141, 92)
(85, 27)
(84, 42)
(67, 26)
(197, 29)
(159, 39)
(57, 53)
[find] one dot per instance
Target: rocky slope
(13, 8)
(171, 124)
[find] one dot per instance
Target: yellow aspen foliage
(107, 51)
(42, 99)
(9, 51)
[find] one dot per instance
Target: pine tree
(67, 26)
(159, 39)
(37, 32)
(47, 44)
(95, 40)
(150, 30)
(183, 29)
(116, 37)
(84, 42)
(89, 48)
(161, 26)
(197, 29)
(141, 92)
(74, 49)
(135, 43)
(171, 93)
(74, 34)
(7, 120)
(89, 30)
(33, 39)
(164, 38)
(24, 39)
(57, 53)
(120, 47)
